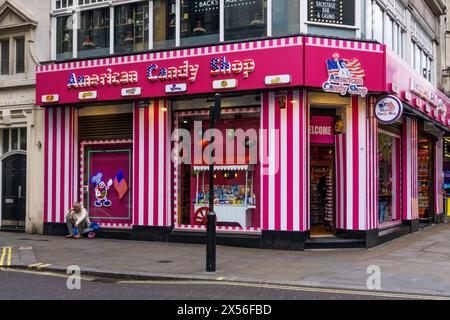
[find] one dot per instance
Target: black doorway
(14, 191)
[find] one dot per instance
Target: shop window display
(424, 177)
(388, 178)
(236, 180)
(322, 190)
(93, 35)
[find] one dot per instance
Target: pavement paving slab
(417, 263)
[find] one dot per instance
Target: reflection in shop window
(93, 35)
(131, 27)
(389, 176)
(285, 17)
(164, 23)
(245, 19)
(199, 22)
(64, 37)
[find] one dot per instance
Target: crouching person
(77, 217)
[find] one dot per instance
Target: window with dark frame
(20, 54)
(4, 56)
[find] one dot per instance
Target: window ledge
(330, 25)
(7, 82)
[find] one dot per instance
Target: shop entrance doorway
(425, 178)
(322, 176)
(14, 187)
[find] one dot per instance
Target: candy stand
(233, 203)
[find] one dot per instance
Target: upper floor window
(422, 52)
(83, 2)
(12, 55)
(285, 17)
(20, 54)
(336, 12)
(93, 34)
(245, 19)
(131, 27)
(64, 37)
(199, 22)
(4, 56)
(63, 3)
(164, 23)
(388, 24)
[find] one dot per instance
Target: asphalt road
(31, 285)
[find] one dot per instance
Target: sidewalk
(418, 263)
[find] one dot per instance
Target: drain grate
(165, 261)
(28, 239)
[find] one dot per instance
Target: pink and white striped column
(61, 170)
(356, 169)
(151, 165)
(410, 170)
(285, 177)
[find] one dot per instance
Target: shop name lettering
(219, 66)
(353, 86)
(109, 78)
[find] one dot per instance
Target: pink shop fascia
(287, 94)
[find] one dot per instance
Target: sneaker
(91, 235)
(69, 236)
(78, 236)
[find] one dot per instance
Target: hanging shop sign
(345, 77)
(388, 109)
(321, 130)
(340, 12)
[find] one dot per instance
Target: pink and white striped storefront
(325, 166)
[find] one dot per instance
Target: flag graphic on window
(120, 185)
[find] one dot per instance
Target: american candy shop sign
(345, 77)
(185, 71)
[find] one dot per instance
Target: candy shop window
(389, 177)
(236, 178)
(425, 180)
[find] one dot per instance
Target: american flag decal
(345, 67)
(120, 185)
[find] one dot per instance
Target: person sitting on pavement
(77, 217)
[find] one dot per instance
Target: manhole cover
(165, 261)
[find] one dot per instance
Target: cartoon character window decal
(101, 190)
